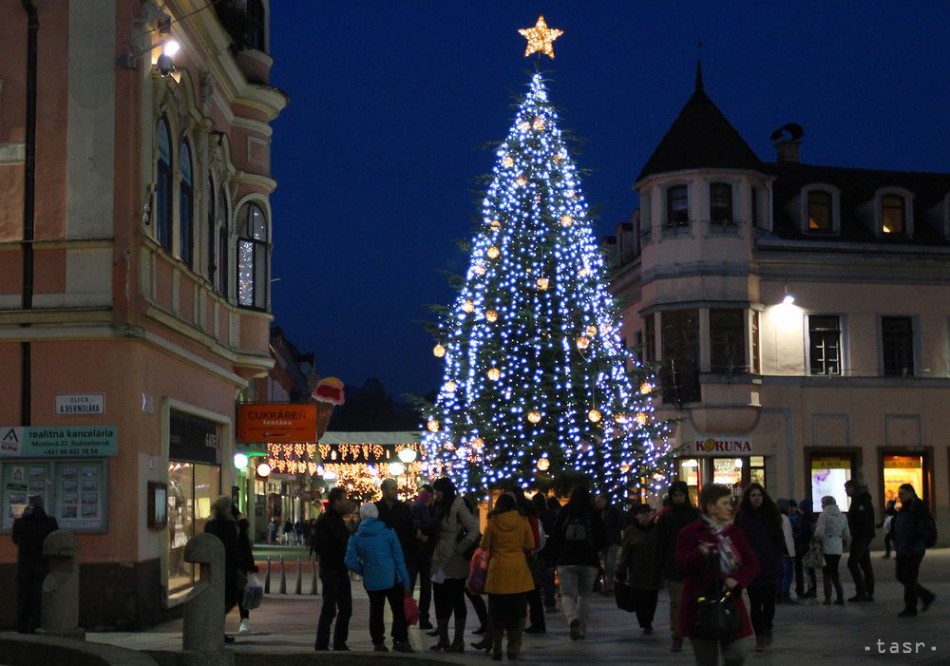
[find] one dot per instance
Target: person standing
(578, 538)
(914, 531)
(223, 526)
(613, 524)
(887, 526)
(761, 523)
(547, 510)
(715, 556)
(861, 525)
(29, 532)
(246, 565)
(637, 565)
(508, 536)
(832, 531)
(679, 513)
(424, 543)
(535, 564)
(375, 553)
(332, 535)
(458, 531)
(803, 539)
(787, 568)
(397, 516)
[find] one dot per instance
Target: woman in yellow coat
(507, 538)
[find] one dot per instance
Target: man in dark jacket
(29, 532)
(397, 516)
(911, 526)
(861, 526)
(681, 513)
(332, 535)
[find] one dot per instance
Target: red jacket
(698, 577)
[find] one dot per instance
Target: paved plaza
(283, 630)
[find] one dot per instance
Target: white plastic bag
(253, 592)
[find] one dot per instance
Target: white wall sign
(725, 446)
(80, 404)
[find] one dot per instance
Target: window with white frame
(820, 211)
(824, 344)
(252, 257)
(677, 206)
(894, 213)
(720, 203)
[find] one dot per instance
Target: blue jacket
(375, 554)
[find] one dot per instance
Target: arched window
(256, 25)
(186, 206)
(211, 237)
(223, 227)
(163, 186)
(252, 257)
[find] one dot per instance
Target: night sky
(393, 104)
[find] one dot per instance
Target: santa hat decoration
(330, 390)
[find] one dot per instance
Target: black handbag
(717, 614)
(626, 601)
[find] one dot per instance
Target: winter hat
(828, 500)
(369, 510)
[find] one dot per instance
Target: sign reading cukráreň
(58, 441)
(277, 422)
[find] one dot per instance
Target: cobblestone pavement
(868, 633)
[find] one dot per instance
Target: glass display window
(901, 469)
(192, 488)
(75, 492)
(827, 476)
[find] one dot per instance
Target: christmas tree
(537, 381)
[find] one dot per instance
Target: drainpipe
(29, 205)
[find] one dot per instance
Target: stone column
(59, 613)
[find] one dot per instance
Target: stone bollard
(267, 577)
(59, 611)
(298, 588)
(283, 578)
(203, 628)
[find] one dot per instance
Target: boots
(485, 643)
(514, 639)
(826, 584)
(839, 593)
(442, 626)
(497, 636)
(458, 642)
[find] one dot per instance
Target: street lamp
(407, 455)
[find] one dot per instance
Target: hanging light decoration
(493, 252)
(544, 464)
(591, 331)
(534, 416)
(566, 220)
(494, 374)
(478, 443)
(642, 418)
(646, 388)
(478, 269)
(521, 180)
(491, 315)
(620, 418)
(594, 415)
(438, 351)
(432, 425)
(524, 126)
(582, 342)
(542, 283)
(538, 124)
(468, 305)
(449, 386)
(507, 161)
(495, 225)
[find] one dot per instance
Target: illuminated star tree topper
(540, 38)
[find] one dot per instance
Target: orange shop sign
(277, 422)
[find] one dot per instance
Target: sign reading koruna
(58, 441)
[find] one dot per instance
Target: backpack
(577, 529)
(930, 531)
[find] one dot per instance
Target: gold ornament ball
(642, 418)
(544, 464)
(467, 305)
(570, 194)
(624, 468)
(495, 225)
(620, 418)
(493, 252)
(491, 315)
(583, 342)
(478, 269)
(591, 331)
(432, 425)
(583, 272)
(507, 161)
(478, 443)
(594, 415)
(542, 284)
(538, 124)
(646, 388)
(449, 386)
(534, 416)
(449, 446)
(524, 126)
(494, 374)
(438, 351)
(521, 180)
(566, 220)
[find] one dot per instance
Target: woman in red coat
(708, 548)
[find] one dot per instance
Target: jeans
(908, 570)
(859, 564)
(707, 651)
(762, 608)
(608, 559)
(577, 583)
(377, 600)
(337, 602)
(785, 578)
(423, 569)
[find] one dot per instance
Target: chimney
(788, 142)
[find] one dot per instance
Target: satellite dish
(789, 132)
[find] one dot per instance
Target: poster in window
(37, 481)
(71, 511)
(90, 510)
(69, 498)
(70, 485)
(81, 501)
(828, 476)
(19, 482)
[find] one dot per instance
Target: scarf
(729, 560)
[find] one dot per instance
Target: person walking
(887, 526)
(223, 526)
(578, 538)
(761, 523)
(508, 536)
(806, 585)
(424, 543)
(375, 553)
(787, 566)
(458, 531)
(914, 532)
(861, 525)
(714, 556)
(832, 531)
(613, 524)
(246, 565)
(638, 566)
(679, 513)
(331, 537)
(29, 532)
(547, 517)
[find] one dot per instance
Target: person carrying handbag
(714, 558)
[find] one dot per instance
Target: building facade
(135, 236)
(798, 314)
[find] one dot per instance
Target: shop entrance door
(735, 473)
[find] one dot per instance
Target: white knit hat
(369, 510)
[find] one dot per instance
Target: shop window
(677, 206)
(824, 344)
(897, 343)
(828, 473)
(757, 470)
(74, 491)
(252, 257)
(192, 488)
(727, 341)
(163, 186)
(728, 472)
(689, 473)
(679, 374)
(186, 206)
(901, 469)
(720, 203)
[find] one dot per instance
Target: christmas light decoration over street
(540, 38)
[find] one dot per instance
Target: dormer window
(893, 218)
(677, 206)
(720, 203)
(819, 210)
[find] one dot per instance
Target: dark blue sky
(392, 103)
